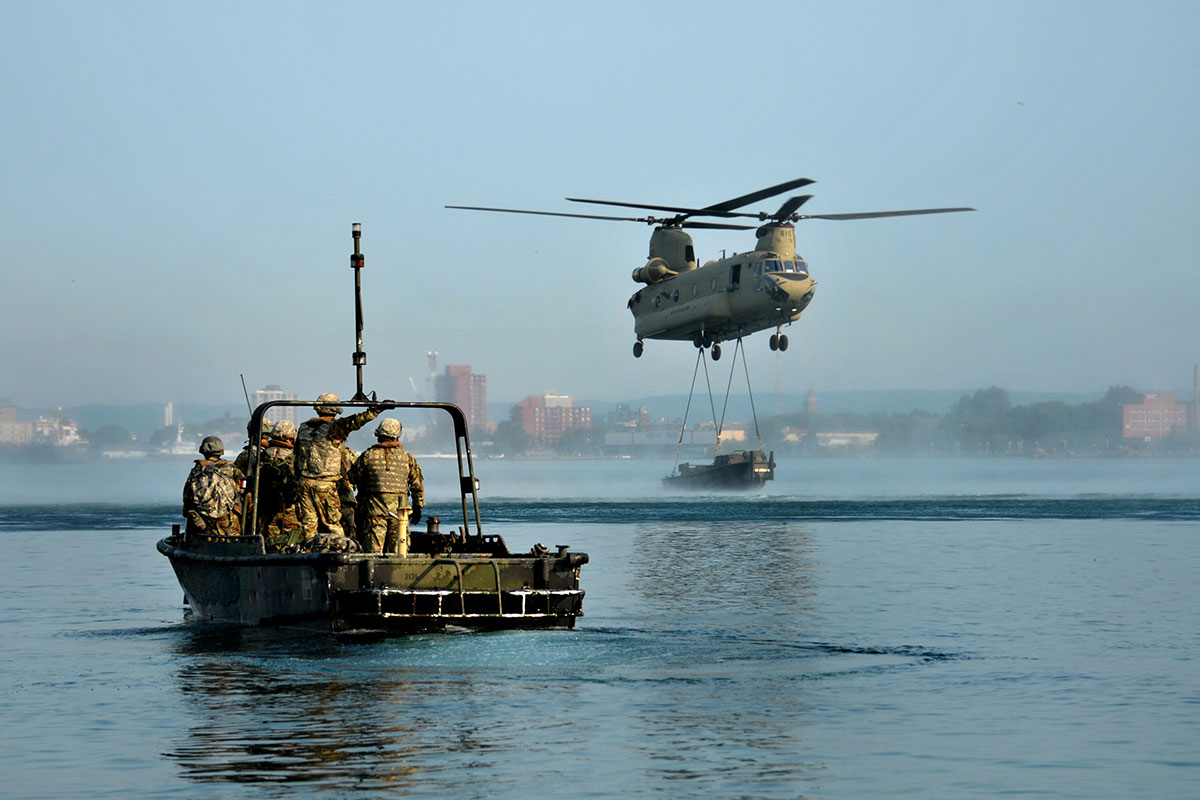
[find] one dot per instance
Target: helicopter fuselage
(726, 298)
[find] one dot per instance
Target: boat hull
(228, 582)
(745, 469)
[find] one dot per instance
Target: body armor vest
(382, 468)
(317, 455)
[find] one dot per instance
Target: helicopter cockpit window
(801, 266)
(771, 265)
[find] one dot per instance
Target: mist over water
(859, 628)
(160, 481)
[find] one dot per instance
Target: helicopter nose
(799, 292)
(797, 287)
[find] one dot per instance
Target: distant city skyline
(986, 421)
(1179, 388)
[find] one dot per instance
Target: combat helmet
(388, 429)
(327, 406)
(212, 446)
(284, 429)
(267, 427)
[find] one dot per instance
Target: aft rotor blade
(754, 197)
(877, 214)
(648, 220)
(790, 205)
(715, 210)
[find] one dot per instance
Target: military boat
(455, 579)
(464, 578)
(744, 469)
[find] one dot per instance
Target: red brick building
(546, 417)
(466, 390)
(1153, 418)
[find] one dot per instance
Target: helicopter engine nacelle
(656, 270)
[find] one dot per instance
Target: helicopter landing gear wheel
(716, 352)
(774, 341)
(637, 349)
(782, 342)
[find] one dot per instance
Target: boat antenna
(245, 393)
(359, 357)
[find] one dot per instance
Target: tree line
(987, 423)
(983, 423)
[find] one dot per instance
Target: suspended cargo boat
(739, 470)
(744, 469)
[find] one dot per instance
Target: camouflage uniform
(245, 459)
(245, 462)
(277, 517)
(346, 494)
(386, 475)
(227, 523)
(318, 466)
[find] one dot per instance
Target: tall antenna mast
(359, 357)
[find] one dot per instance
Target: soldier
(212, 494)
(245, 459)
(318, 465)
(277, 518)
(346, 494)
(386, 476)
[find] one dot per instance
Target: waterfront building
(662, 438)
(546, 417)
(13, 431)
(273, 392)
(847, 442)
(466, 390)
(1154, 418)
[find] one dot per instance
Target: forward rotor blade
(724, 226)
(877, 214)
(754, 197)
(675, 209)
(647, 220)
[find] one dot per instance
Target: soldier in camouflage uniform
(212, 494)
(386, 476)
(346, 494)
(318, 467)
(278, 520)
(245, 461)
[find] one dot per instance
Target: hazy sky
(179, 182)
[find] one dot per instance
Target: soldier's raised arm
(343, 427)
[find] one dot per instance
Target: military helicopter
(727, 298)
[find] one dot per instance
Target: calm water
(860, 628)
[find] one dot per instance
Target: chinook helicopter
(727, 298)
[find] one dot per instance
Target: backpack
(277, 481)
(214, 492)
